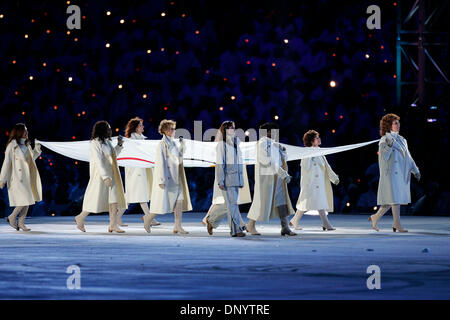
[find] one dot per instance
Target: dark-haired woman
(20, 174)
(170, 192)
(315, 184)
(229, 177)
(396, 165)
(104, 192)
(138, 181)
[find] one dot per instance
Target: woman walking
(170, 192)
(20, 174)
(229, 183)
(138, 181)
(396, 165)
(104, 192)
(315, 184)
(271, 198)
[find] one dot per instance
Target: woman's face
(230, 132)
(395, 126)
(25, 134)
(140, 128)
(170, 131)
(316, 142)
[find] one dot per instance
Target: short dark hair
(269, 126)
(309, 137)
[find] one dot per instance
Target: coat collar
(15, 145)
(138, 136)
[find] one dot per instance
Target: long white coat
(244, 192)
(21, 175)
(168, 169)
(138, 181)
(315, 185)
(396, 165)
(103, 165)
(266, 172)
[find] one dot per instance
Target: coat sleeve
(160, 162)
(7, 164)
(267, 161)
(385, 150)
(118, 149)
(220, 162)
(331, 174)
(36, 152)
(414, 168)
(182, 148)
(96, 157)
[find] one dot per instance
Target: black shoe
(239, 234)
(288, 233)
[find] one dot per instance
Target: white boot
(178, 216)
(113, 219)
(12, 218)
(251, 228)
(79, 219)
(294, 221)
(396, 215)
(375, 217)
(119, 218)
(326, 225)
(22, 216)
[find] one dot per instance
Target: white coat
(21, 175)
(169, 170)
(103, 165)
(267, 170)
(138, 181)
(396, 166)
(315, 185)
(244, 192)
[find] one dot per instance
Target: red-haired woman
(396, 166)
(138, 181)
(104, 192)
(21, 175)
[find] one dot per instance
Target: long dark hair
(17, 133)
(131, 126)
(101, 130)
(224, 126)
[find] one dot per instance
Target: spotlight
(332, 83)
